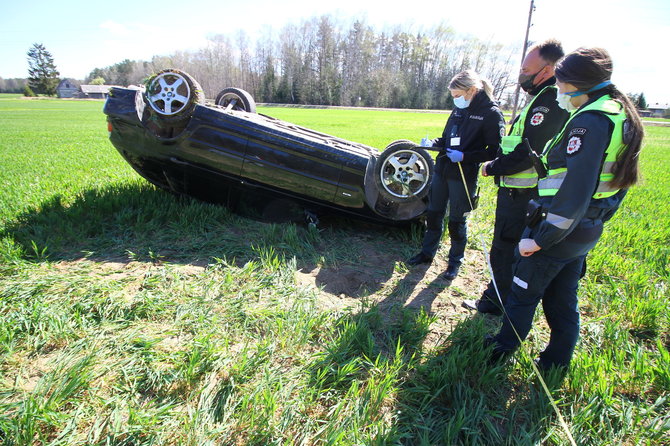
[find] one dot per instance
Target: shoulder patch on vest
(577, 131)
(574, 143)
(537, 118)
(502, 131)
(540, 109)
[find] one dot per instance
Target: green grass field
(129, 316)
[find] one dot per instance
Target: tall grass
(132, 317)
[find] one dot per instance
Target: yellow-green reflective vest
(526, 178)
(548, 186)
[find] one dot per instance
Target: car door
(217, 142)
(293, 159)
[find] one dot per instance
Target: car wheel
(236, 99)
(173, 94)
(403, 172)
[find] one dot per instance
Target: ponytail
(487, 87)
(470, 78)
(626, 170)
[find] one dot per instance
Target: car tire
(403, 172)
(236, 99)
(172, 95)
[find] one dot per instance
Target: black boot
(553, 375)
(487, 306)
(497, 356)
(452, 272)
(419, 259)
(483, 305)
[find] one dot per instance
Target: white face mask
(564, 102)
(460, 102)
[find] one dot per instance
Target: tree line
(13, 85)
(326, 62)
(319, 61)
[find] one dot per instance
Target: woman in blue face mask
(590, 165)
(471, 136)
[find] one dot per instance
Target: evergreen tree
(641, 102)
(42, 73)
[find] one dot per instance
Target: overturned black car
(171, 137)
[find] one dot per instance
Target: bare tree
(323, 61)
(328, 68)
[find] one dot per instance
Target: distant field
(661, 120)
(129, 316)
(374, 128)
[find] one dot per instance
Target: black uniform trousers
(550, 276)
(509, 224)
(448, 191)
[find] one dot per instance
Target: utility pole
(523, 54)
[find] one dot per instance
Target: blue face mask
(600, 86)
(460, 102)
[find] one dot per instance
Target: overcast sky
(82, 36)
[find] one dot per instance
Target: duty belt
(596, 213)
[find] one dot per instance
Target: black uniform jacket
(480, 127)
(572, 212)
(543, 121)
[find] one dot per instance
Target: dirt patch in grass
(370, 271)
(29, 369)
(347, 286)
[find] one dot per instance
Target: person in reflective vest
(471, 136)
(538, 122)
(590, 165)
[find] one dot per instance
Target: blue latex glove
(454, 155)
